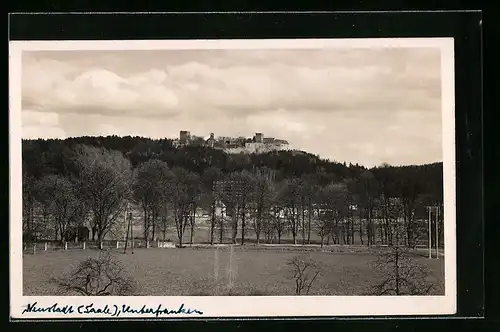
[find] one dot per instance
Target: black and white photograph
(232, 178)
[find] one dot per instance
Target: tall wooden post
(131, 231)
(128, 231)
(216, 264)
(230, 271)
(437, 232)
(125, 220)
(430, 232)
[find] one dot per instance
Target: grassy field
(190, 271)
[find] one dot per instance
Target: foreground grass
(190, 271)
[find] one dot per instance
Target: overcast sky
(363, 106)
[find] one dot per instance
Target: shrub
(102, 276)
(400, 274)
(305, 271)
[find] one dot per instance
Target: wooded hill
(51, 156)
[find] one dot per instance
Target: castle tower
(184, 136)
(259, 138)
(211, 140)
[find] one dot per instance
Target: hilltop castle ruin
(257, 144)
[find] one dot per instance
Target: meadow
(257, 270)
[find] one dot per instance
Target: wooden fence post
(100, 245)
(45, 246)
(65, 245)
(34, 248)
(83, 245)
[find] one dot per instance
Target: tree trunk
(235, 225)
(221, 228)
(257, 233)
(309, 224)
(164, 227)
(179, 227)
(369, 229)
(191, 236)
(337, 232)
(183, 225)
(322, 239)
(154, 226)
(212, 224)
(347, 237)
(361, 233)
(243, 225)
(146, 222)
(99, 236)
(181, 234)
(396, 269)
(303, 224)
(192, 224)
(94, 231)
(352, 227)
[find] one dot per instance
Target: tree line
(66, 182)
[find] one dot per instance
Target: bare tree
(291, 202)
(60, 198)
(334, 208)
(351, 198)
(367, 192)
(410, 192)
(399, 272)
(304, 271)
(211, 195)
(229, 189)
(28, 204)
(180, 194)
(269, 230)
(245, 182)
(102, 276)
(277, 211)
(309, 191)
(237, 195)
(323, 214)
(150, 177)
(303, 198)
(105, 179)
(194, 193)
(262, 199)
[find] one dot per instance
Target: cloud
(41, 125)
(244, 87)
(34, 118)
(98, 91)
